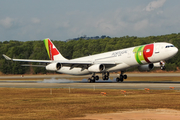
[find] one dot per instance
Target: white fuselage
(126, 58)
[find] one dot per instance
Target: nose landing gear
(162, 64)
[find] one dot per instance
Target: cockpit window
(168, 46)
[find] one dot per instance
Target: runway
(138, 86)
(7, 77)
(66, 81)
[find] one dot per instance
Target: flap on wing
(29, 65)
(107, 62)
(89, 62)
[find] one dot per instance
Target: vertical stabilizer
(52, 51)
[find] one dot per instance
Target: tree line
(74, 49)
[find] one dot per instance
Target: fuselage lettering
(119, 53)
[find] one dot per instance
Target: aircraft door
(156, 52)
(157, 47)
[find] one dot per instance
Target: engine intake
(54, 66)
(96, 68)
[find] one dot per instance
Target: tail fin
(52, 51)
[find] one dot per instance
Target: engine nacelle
(54, 66)
(146, 67)
(96, 68)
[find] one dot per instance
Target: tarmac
(66, 81)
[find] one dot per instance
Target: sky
(26, 20)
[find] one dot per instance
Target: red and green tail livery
(51, 49)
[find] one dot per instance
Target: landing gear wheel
(125, 76)
(117, 79)
(97, 78)
(89, 80)
(93, 78)
(163, 68)
(121, 78)
(105, 76)
(92, 81)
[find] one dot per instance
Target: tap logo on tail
(51, 49)
(142, 53)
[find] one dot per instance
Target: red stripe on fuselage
(148, 52)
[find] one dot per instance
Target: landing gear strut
(162, 63)
(105, 76)
(121, 77)
(93, 78)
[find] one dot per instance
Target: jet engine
(146, 67)
(96, 68)
(54, 66)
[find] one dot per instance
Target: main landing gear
(105, 76)
(121, 77)
(93, 78)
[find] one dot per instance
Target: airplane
(145, 57)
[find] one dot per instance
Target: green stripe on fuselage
(139, 54)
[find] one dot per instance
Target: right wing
(27, 60)
(67, 62)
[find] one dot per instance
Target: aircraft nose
(175, 50)
(172, 51)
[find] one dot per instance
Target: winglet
(6, 57)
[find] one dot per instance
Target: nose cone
(172, 51)
(175, 50)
